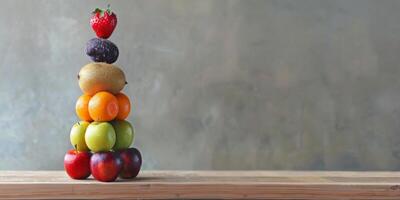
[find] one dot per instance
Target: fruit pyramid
(103, 137)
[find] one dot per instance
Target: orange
(103, 106)
(81, 108)
(124, 106)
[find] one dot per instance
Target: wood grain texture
(205, 185)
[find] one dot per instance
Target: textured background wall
(216, 84)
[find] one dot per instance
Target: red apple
(77, 164)
(131, 162)
(105, 166)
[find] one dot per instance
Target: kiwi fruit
(98, 76)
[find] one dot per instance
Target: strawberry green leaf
(97, 10)
(108, 10)
(100, 11)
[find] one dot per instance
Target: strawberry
(103, 22)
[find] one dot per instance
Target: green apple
(77, 136)
(100, 136)
(124, 132)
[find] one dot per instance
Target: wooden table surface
(205, 185)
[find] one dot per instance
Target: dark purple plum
(131, 162)
(102, 50)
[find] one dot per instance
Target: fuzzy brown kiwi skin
(95, 77)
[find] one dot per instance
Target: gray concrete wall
(305, 85)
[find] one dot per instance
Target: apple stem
(76, 147)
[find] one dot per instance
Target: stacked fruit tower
(102, 139)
